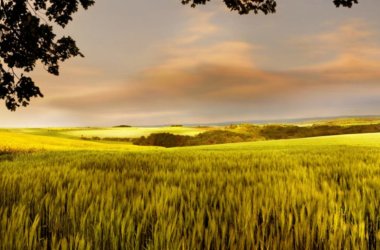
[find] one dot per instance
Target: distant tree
(123, 126)
(265, 6)
(27, 37)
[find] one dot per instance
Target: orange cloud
(348, 68)
(354, 54)
(221, 78)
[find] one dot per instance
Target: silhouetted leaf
(264, 6)
(27, 37)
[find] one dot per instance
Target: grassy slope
(363, 140)
(133, 132)
(35, 141)
(17, 141)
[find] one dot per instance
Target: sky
(159, 62)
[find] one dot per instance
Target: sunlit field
(60, 192)
(132, 132)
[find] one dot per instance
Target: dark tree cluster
(207, 138)
(27, 37)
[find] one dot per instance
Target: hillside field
(60, 192)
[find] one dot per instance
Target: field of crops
(64, 193)
(132, 132)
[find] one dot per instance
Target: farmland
(132, 132)
(60, 192)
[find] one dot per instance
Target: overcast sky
(158, 62)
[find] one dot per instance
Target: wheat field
(64, 193)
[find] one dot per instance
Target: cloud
(349, 53)
(233, 53)
(353, 37)
(201, 78)
(198, 27)
(187, 71)
(349, 69)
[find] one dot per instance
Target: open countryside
(189, 125)
(62, 192)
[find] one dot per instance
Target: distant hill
(331, 120)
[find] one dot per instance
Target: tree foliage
(264, 6)
(27, 37)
